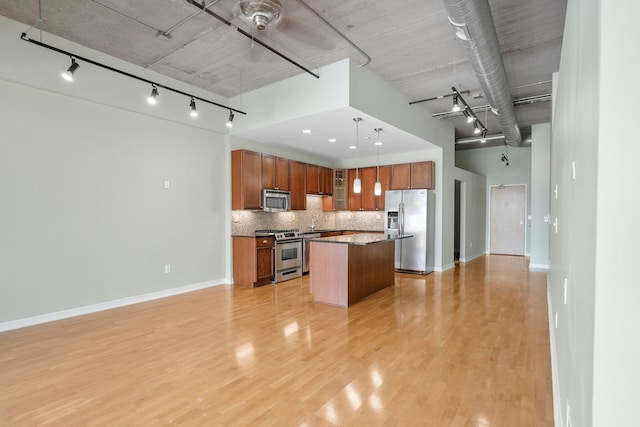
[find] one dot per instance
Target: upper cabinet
(338, 200)
(246, 177)
(366, 200)
(413, 175)
(275, 172)
(297, 187)
(319, 180)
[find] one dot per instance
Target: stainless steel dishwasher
(305, 249)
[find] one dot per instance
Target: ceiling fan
(261, 13)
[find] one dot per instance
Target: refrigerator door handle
(401, 219)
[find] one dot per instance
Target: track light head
(192, 104)
(476, 128)
(470, 117)
(230, 120)
(154, 94)
(484, 136)
(504, 160)
(68, 75)
(456, 106)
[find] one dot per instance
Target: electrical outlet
(167, 268)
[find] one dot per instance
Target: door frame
(525, 219)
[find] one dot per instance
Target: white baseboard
(472, 257)
(539, 267)
(444, 268)
(93, 308)
(557, 407)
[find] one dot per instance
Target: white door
(507, 223)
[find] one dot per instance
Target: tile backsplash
(245, 222)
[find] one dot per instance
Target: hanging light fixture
(230, 120)
(192, 104)
(154, 94)
(484, 130)
(357, 185)
(377, 189)
(68, 75)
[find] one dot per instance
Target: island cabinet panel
(253, 261)
(246, 180)
(297, 185)
(356, 272)
(275, 172)
(313, 183)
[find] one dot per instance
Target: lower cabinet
(253, 261)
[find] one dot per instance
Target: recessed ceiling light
(377, 143)
(306, 131)
(332, 140)
(352, 147)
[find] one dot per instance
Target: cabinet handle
(264, 241)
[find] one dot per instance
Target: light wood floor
(468, 347)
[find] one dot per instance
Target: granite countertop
(323, 230)
(360, 239)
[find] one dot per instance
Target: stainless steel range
(287, 253)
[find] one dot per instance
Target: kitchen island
(345, 269)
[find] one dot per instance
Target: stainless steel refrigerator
(411, 212)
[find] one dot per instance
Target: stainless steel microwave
(276, 201)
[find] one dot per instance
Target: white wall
(595, 342)
(486, 162)
(85, 217)
(540, 170)
(474, 206)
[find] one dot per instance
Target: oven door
(288, 254)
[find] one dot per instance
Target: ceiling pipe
(473, 24)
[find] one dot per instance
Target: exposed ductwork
(473, 24)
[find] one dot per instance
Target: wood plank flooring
(467, 347)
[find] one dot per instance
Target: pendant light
(357, 185)
(377, 189)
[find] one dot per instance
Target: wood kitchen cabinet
(367, 200)
(246, 180)
(319, 180)
(253, 260)
(275, 172)
(297, 185)
(340, 193)
(413, 175)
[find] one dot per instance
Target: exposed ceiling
(410, 44)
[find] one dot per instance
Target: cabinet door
(422, 174)
(385, 182)
(368, 176)
(282, 173)
(264, 265)
(246, 180)
(340, 190)
(326, 181)
(401, 176)
(268, 171)
(297, 185)
(355, 200)
(313, 185)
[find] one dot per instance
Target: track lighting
(484, 136)
(456, 106)
(476, 128)
(469, 116)
(154, 94)
(504, 160)
(193, 113)
(68, 75)
(230, 120)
